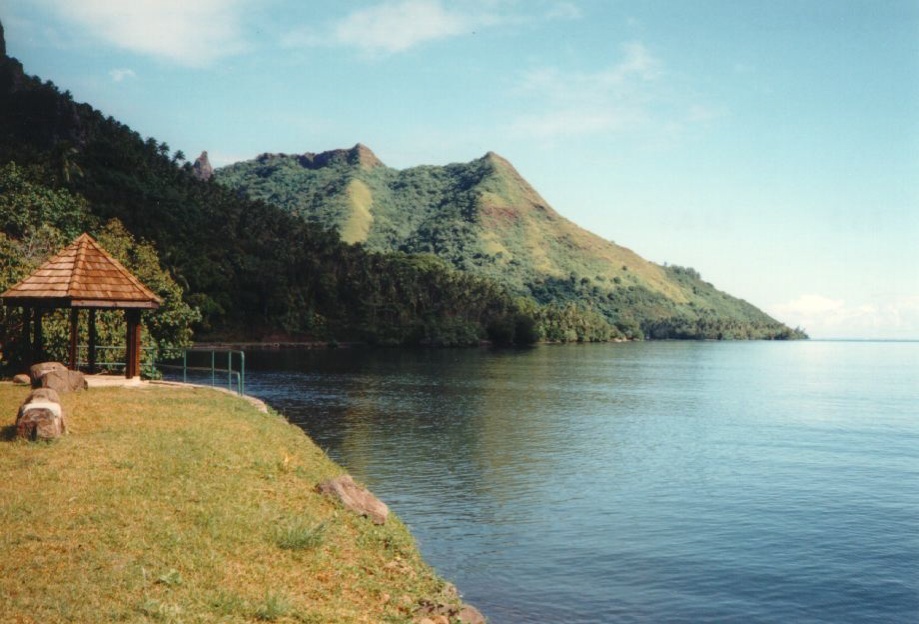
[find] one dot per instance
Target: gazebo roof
(82, 275)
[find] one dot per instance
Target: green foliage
(251, 269)
(37, 222)
(300, 535)
(169, 326)
(482, 218)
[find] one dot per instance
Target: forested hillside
(483, 218)
(244, 269)
(417, 264)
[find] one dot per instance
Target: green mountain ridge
(484, 218)
(244, 269)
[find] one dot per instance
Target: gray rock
(37, 371)
(437, 611)
(470, 615)
(42, 403)
(44, 394)
(40, 421)
(202, 168)
(355, 498)
(22, 380)
(64, 381)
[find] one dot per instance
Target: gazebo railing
(112, 358)
(210, 366)
(206, 366)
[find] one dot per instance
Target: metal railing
(204, 364)
(199, 365)
(113, 358)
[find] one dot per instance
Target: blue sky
(773, 146)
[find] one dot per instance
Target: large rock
(40, 420)
(37, 371)
(64, 381)
(435, 612)
(356, 498)
(470, 615)
(44, 394)
(202, 168)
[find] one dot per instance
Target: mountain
(484, 218)
(250, 269)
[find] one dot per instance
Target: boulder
(37, 371)
(202, 168)
(45, 394)
(435, 612)
(22, 380)
(40, 420)
(42, 402)
(355, 498)
(63, 381)
(470, 615)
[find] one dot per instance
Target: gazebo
(83, 276)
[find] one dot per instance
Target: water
(655, 482)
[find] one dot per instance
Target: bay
(640, 482)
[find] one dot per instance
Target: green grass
(173, 504)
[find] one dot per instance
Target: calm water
(659, 482)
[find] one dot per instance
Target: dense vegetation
(484, 219)
(242, 268)
(417, 265)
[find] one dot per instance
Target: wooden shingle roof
(82, 275)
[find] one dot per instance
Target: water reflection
(645, 482)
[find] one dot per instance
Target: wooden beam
(38, 346)
(132, 350)
(92, 341)
(27, 334)
(74, 336)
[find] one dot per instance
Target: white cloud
(825, 317)
(614, 99)
(191, 33)
(393, 27)
(119, 74)
(564, 10)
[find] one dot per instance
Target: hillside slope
(253, 270)
(484, 218)
(181, 504)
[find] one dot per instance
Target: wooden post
(92, 341)
(132, 350)
(27, 335)
(38, 347)
(74, 336)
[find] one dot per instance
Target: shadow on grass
(8, 433)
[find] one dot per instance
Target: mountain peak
(2, 41)
(360, 156)
(501, 164)
(202, 168)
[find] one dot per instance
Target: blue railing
(199, 365)
(112, 359)
(204, 365)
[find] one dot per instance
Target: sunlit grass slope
(485, 218)
(173, 504)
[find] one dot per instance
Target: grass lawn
(170, 504)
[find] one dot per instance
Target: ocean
(638, 482)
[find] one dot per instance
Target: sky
(772, 146)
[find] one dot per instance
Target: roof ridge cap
(79, 262)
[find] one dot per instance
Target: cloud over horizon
(825, 317)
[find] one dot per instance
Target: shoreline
(166, 474)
